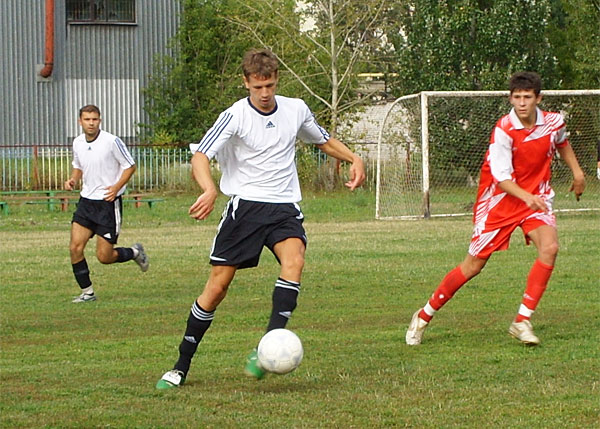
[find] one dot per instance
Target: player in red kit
(514, 191)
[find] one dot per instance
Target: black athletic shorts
(102, 217)
(247, 226)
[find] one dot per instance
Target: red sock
(536, 285)
(446, 290)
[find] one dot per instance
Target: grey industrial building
(58, 55)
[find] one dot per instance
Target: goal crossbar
(422, 99)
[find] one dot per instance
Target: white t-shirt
(102, 162)
(256, 151)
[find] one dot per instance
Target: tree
(575, 35)
(319, 60)
(467, 45)
(321, 45)
(470, 44)
(192, 86)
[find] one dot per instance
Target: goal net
(431, 147)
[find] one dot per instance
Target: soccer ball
(280, 351)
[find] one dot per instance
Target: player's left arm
(111, 191)
(335, 148)
(568, 155)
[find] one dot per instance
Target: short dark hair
(261, 62)
(525, 80)
(89, 108)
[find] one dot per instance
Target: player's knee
(294, 263)
(105, 257)
(475, 270)
(76, 249)
(213, 294)
(551, 249)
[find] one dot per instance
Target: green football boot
(253, 368)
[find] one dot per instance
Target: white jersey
(256, 151)
(102, 162)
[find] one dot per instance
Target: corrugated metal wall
(107, 65)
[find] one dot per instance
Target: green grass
(96, 364)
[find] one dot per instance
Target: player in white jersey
(104, 165)
(254, 142)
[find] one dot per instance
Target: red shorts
(486, 242)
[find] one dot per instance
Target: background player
(598, 166)
(105, 165)
(254, 141)
(514, 191)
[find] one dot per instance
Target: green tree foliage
(190, 88)
(575, 35)
(321, 44)
(469, 44)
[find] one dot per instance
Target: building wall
(106, 65)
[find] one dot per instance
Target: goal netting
(431, 147)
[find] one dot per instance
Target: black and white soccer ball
(280, 351)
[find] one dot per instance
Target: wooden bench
(139, 199)
(63, 200)
(51, 199)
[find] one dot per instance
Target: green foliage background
(418, 45)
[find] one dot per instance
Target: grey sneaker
(84, 297)
(141, 259)
(523, 331)
(173, 378)
(414, 333)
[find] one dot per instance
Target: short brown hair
(89, 108)
(261, 62)
(525, 80)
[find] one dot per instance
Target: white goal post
(431, 145)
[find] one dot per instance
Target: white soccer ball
(280, 351)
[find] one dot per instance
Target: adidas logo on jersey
(270, 125)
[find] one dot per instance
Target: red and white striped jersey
(523, 156)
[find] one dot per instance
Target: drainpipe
(49, 61)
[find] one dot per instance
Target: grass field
(96, 364)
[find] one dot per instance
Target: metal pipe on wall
(49, 58)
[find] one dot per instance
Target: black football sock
(82, 274)
(198, 322)
(285, 295)
(124, 254)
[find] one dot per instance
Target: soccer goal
(431, 146)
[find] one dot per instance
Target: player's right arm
(205, 203)
(500, 157)
(218, 135)
(70, 183)
(534, 202)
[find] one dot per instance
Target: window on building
(101, 11)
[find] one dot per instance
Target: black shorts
(102, 217)
(247, 226)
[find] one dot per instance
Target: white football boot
(523, 331)
(414, 333)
